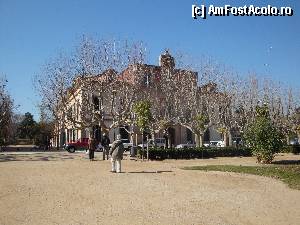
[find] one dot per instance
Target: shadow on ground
(35, 157)
(158, 171)
(287, 162)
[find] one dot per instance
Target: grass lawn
(289, 174)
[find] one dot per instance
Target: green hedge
(194, 153)
(291, 149)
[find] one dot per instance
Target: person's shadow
(157, 171)
(287, 162)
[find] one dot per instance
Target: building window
(96, 103)
(189, 135)
(146, 80)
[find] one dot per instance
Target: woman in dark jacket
(92, 147)
(105, 144)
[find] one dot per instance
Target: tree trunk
(298, 134)
(57, 139)
(197, 137)
(153, 136)
(131, 138)
(136, 139)
(226, 139)
(147, 148)
(131, 134)
(287, 139)
(201, 137)
(57, 142)
(229, 139)
(142, 146)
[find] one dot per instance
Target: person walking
(116, 153)
(92, 147)
(105, 144)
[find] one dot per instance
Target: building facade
(142, 75)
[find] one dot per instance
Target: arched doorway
(189, 135)
(62, 139)
(97, 133)
(206, 136)
(124, 134)
(171, 132)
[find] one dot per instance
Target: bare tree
(52, 84)
(109, 95)
(99, 83)
(6, 112)
(82, 89)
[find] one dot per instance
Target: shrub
(295, 149)
(286, 149)
(194, 153)
(3, 142)
(290, 149)
(263, 137)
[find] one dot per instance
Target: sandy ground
(63, 188)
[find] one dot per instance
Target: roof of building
(136, 73)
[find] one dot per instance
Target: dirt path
(62, 188)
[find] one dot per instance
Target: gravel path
(63, 188)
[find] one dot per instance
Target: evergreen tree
(263, 136)
(28, 127)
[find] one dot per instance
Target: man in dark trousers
(166, 137)
(105, 144)
(92, 147)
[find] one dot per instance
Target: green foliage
(295, 149)
(27, 127)
(164, 124)
(296, 121)
(193, 153)
(43, 133)
(201, 120)
(289, 174)
(263, 137)
(222, 130)
(143, 111)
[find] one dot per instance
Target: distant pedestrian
(116, 153)
(92, 147)
(166, 137)
(105, 144)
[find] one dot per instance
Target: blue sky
(32, 31)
